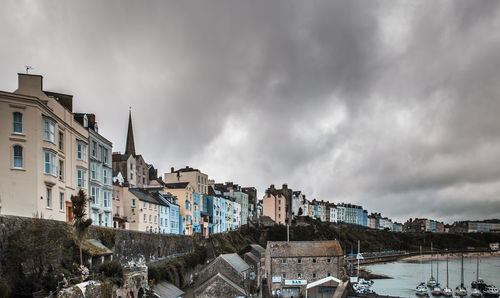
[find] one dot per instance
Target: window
(283, 275)
(155, 207)
(106, 199)
(131, 167)
(106, 220)
(93, 151)
(18, 157)
(133, 203)
(93, 194)
(283, 261)
(81, 179)
(61, 170)
(299, 261)
(49, 130)
(314, 261)
(328, 274)
(279, 202)
(328, 261)
(61, 141)
(93, 171)
(50, 162)
(299, 275)
(81, 151)
(105, 155)
(150, 208)
(49, 197)
(314, 275)
(150, 217)
(105, 176)
(156, 219)
(61, 201)
(117, 210)
(145, 219)
(18, 122)
(144, 205)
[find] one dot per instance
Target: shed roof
(235, 261)
(221, 276)
(304, 248)
(165, 289)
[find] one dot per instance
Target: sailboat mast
(431, 263)
(357, 257)
(437, 269)
(446, 270)
(462, 273)
(477, 270)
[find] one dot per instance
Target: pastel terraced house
(44, 152)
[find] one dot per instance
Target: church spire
(130, 146)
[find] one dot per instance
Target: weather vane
(28, 67)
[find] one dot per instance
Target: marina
(406, 275)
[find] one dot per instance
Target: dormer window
(85, 121)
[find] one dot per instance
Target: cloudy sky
(394, 105)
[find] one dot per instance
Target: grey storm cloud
(390, 104)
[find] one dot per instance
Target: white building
(340, 214)
(236, 215)
(333, 213)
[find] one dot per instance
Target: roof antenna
(28, 67)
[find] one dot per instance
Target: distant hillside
(348, 235)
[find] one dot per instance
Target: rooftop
(235, 261)
(304, 248)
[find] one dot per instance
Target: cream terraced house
(44, 152)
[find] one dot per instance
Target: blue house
(223, 213)
(316, 214)
(196, 212)
(174, 214)
(365, 218)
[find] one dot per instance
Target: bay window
(50, 162)
(49, 130)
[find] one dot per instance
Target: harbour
(407, 274)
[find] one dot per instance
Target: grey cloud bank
(391, 105)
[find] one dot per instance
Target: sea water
(406, 275)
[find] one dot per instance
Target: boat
(431, 283)
(448, 292)
(478, 283)
(436, 291)
(490, 292)
(475, 292)
(461, 290)
(421, 290)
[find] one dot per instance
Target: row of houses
(283, 205)
(50, 153)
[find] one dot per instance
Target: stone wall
(128, 246)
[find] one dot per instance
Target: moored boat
(448, 292)
(491, 292)
(461, 290)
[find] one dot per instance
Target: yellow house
(184, 193)
(141, 210)
(44, 156)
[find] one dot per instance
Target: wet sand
(442, 256)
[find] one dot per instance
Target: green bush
(4, 288)
(112, 271)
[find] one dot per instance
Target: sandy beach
(442, 256)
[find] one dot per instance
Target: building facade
(44, 152)
(197, 179)
(290, 266)
(100, 173)
(184, 192)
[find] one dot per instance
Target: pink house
(119, 220)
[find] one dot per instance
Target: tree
(81, 223)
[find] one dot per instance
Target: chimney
(171, 169)
(29, 84)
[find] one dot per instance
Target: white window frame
(81, 181)
(93, 150)
(81, 151)
(48, 194)
(49, 130)
(51, 162)
(17, 124)
(18, 158)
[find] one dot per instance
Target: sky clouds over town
(389, 104)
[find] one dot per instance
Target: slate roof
(165, 289)
(252, 256)
(304, 249)
(221, 276)
(177, 185)
(236, 262)
(258, 248)
(145, 196)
